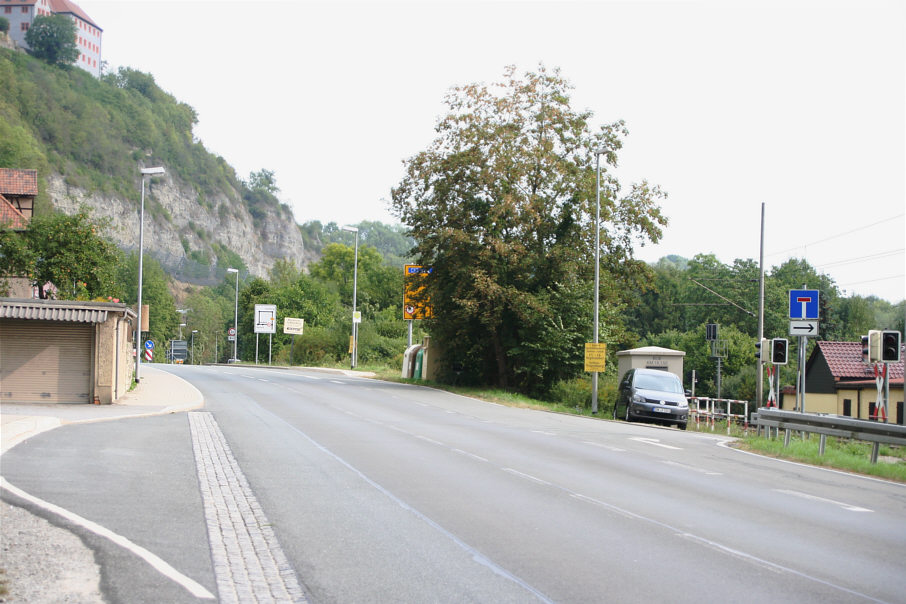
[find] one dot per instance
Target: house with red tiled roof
(22, 13)
(20, 187)
(10, 217)
(838, 382)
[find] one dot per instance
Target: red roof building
(10, 217)
(838, 382)
(20, 187)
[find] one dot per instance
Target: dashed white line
(654, 441)
(845, 506)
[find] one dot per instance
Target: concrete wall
(114, 363)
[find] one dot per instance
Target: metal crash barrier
(828, 425)
(705, 410)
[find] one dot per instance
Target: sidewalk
(158, 393)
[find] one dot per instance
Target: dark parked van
(652, 395)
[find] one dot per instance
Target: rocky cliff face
(187, 234)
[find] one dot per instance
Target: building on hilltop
(22, 13)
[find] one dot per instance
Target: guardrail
(706, 410)
(829, 425)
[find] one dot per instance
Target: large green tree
(53, 39)
(64, 250)
(502, 205)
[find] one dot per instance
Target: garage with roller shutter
(54, 351)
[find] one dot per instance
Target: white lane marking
(603, 446)
(544, 433)
(692, 468)
(338, 382)
(767, 564)
(430, 440)
(156, 562)
(476, 555)
(527, 476)
(467, 454)
(845, 506)
(654, 441)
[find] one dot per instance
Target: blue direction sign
(149, 344)
(804, 304)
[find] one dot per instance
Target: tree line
(502, 204)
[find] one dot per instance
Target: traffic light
(710, 331)
(779, 349)
(865, 355)
(890, 346)
(874, 346)
(761, 350)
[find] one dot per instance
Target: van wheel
(628, 417)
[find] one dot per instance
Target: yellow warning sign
(595, 356)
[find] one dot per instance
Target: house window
(847, 407)
(871, 412)
(25, 10)
(900, 413)
(23, 26)
(7, 9)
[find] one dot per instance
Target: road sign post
(803, 310)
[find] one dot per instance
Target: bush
(576, 393)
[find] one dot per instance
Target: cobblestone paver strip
(249, 564)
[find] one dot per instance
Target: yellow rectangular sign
(595, 356)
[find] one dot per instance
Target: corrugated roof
(10, 217)
(18, 182)
(59, 310)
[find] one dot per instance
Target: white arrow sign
(804, 328)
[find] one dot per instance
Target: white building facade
(22, 13)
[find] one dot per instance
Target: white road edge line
(156, 562)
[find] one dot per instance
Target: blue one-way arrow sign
(804, 304)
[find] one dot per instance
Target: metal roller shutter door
(45, 361)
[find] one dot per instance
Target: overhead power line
(832, 237)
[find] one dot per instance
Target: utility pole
(759, 380)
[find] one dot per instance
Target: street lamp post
(141, 244)
(235, 315)
(594, 374)
(194, 331)
(355, 277)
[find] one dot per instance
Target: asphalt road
(363, 491)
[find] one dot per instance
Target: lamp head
(152, 171)
(232, 270)
(351, 229)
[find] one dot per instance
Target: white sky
(800, 105)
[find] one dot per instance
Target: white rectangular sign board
(809, 329)
(293, 325)
(265, 318)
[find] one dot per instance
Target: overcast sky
(729, 104)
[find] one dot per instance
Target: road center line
(845, 506)
(156, 562)
(654, 441)
(249, 564)
(476, 555)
